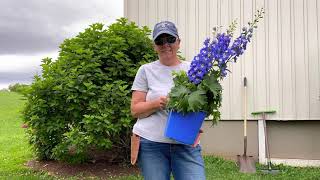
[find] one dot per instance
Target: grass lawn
(15, 151)
(14, 148)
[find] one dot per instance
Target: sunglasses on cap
(167, 39)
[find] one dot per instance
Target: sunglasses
(162, 40)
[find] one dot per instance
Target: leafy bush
(81, 102)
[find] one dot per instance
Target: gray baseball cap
(165, 27)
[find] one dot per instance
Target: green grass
(15, 151)
(14, 148)
(218, 168)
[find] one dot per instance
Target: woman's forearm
(144, 109)
(141, 108)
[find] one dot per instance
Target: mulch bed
(99, 169)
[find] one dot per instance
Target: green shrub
(82, 100)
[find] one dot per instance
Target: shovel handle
(245, 107)
(245, 116)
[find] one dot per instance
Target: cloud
(36, 26)
(33, 29)
(18, 63)
(16, 77)
(17, 68)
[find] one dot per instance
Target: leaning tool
(246, 163)
(263, 114)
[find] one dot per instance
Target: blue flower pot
(184, 128)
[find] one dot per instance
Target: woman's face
(167, 46)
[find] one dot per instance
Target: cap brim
(164, 32)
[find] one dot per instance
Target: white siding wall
(282, 63)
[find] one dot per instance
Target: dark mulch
(99, 169)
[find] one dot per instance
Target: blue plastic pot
(184, 128)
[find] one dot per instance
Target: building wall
(287, 139)
(226, 139)
(282, 64)
(294, 139)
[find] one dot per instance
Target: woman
(159, 156)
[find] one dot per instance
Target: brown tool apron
(135, 143)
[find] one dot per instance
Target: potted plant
(197, 94)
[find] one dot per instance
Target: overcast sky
(33, 29)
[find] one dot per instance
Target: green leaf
(197, 100)
(179, 91)
(183, 104)
(213, 84)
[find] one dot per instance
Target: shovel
(246, 163)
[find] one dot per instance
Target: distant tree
(4, 90)
(19, 88)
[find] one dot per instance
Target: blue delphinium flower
(198, 67)
(201, 64)
(200, 90)
(218, 52)
(240, 44)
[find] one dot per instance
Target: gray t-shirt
(156, 80)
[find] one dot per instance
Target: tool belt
(135, 144)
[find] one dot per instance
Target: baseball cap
(164, 27)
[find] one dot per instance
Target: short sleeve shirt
(156, 80)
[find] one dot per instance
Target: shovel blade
(246, 164)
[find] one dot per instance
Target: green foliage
(82, 100)
(197, 99)
(19, 88)
(187, 97)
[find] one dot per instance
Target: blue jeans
(158, 160)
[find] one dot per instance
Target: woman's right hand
(162, 102)
(140, 108)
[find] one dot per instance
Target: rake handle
(267, 140)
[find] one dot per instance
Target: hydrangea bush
(199, 89)
(79, 107)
